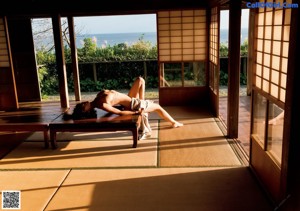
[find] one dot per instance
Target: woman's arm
(114, 110)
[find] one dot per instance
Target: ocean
(117, 38)
(130, 38)
(224, 35)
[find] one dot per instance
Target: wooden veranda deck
(244, 119)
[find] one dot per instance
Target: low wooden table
(103, 122)
(28, 127)
(29, 119)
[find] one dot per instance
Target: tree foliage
(224, 49)
(43, 33)
(117, 65)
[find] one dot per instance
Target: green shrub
(116, 66)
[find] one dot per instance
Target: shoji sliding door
(214, 64)
(269, 92)
(182, 55)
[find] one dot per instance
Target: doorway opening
(111, 52)
(245, 95)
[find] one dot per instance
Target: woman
(133, 103)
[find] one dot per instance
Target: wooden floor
(33, 115)
(244, 119)
(48, 111)
(134, 178)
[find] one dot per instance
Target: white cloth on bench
(137, 104)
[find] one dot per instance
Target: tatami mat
(85, 150)
(163, 189)
(179, 112)
(199, 142)
(37, 187)
(101, 171)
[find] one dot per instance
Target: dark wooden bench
(29, 119)
(103, 122)
(28, 127)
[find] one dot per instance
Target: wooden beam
(60, 62)
(74, 57)
(234, 44)
(94, 8)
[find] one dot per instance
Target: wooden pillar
(251, 59)
(74, 57)
(234, 45)
(145, 70)
(94, 72)
(8, 89)
(162, 75)
(24, 59)
(60, 62)
(291, 135)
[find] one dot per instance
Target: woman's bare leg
(163, 114)
(138, 89)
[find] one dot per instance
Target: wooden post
(60, 62)
(162, 75)
(145, 70)
(95, 72)
(182, 74)
(250, 59)
(8, 96)
(234, 45)
(290, 173)
(74, 57)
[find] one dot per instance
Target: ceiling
(88, 7)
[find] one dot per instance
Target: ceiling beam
(90, 8)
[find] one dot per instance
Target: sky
(225, 18)
(116, 24)
(134, 23)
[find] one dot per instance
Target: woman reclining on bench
(133, 103)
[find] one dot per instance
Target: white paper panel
(276, 47)
(162, 27)
(282, 95)
(267, 59)
(175, 26)
(275, 62)
(283, 80)
(258, 82)
(265, 86)
(274, 90)
(275, 77)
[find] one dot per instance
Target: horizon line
(141, 32)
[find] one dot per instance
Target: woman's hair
(80, 113)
